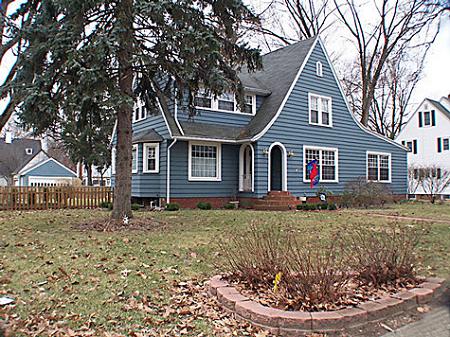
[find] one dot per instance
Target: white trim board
(284, 167)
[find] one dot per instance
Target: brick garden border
(296, 323)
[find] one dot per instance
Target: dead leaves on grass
(188, 308)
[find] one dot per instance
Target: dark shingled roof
(440, 106)
(13, 157)
(280, 68)
(149, 135)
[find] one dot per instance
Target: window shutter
(420, 119)
(415, 146)
(439, 145)
(433, 118)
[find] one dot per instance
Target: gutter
(168, 171)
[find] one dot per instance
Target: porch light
(291, 154)
(265, 151)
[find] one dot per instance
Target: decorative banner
(313, 172)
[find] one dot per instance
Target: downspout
(176, 115)
(168, 171)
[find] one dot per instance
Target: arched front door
(277, 168)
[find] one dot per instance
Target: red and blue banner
(313, 172)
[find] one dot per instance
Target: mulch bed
(353, 294)
(109, 225)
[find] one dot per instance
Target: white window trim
(135, 146)
(113, 160)
(139, 106)
(215, 106)
(319, 69)
(218, 176)
(147, 146)
(319, 123)
(378, 165)
(284, 171)
(336, 160)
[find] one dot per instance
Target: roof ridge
(290, 45)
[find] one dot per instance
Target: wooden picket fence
(55, 197)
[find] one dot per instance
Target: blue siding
(182, 187)
(293, 130)
(50, 169)
(151, 184)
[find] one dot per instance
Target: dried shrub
(256, 255)
(361, 193)
(382, 256)
(317, 275)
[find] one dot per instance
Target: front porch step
(277, 201)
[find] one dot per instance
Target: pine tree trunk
(122, 189)
(89, 174)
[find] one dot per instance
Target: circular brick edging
(295, 323)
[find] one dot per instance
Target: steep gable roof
(280, 71)
(440, 107)
(13, 156)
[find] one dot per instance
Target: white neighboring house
(427, 135)
(97, 175)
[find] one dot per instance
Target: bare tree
(433, 180)
(413, 181)
(399, 26)
(286, 21)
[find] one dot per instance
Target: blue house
(295, 112)
(23, 162)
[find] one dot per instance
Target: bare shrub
(317, 275)
(256, 255)
(361, 193)
(382, 256)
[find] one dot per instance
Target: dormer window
(226, 102)
(427, 118)
(319, 70)
(139, 111)
(29, 151)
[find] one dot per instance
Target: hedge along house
(23, 162)
(295, 112)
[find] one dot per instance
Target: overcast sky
(436, 76)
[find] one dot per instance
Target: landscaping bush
(172, 206)
(381, 257)
(256, 255)
(307, 207)
(229, 206)
(106, 204)
(204, 205)
(322, 206)
(135, 207)
(332, 206)
(360, 193)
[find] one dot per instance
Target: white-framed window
(134, 155)
(446, 144)
(427, 118)
(379, 167)
(113, 160)
(225, 102)
(150, 158)
(139, 111)
(320, 112)
(29, 151)
(204, 161)
(319, 69)
(327, 163)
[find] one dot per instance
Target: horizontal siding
(293, 130)
(50, 169)
(182, 187)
